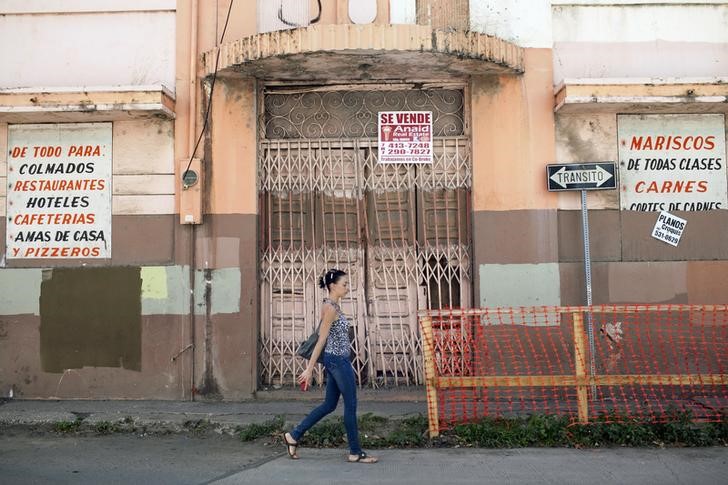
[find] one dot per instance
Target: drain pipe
(192, 130)
(194, 12)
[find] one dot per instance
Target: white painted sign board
(672, 162)
(669, 228)
(59, 191)
(405, 136)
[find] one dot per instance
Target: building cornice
(367, 52)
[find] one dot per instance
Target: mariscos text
(672, 162)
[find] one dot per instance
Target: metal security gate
(401, 232)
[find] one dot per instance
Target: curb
(193, 423)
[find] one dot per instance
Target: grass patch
(327, 433)
(374, 432)
(369, 422)
(254, 431)
(67, 426)
(106, 427)
(520, 432)
(408, 432)
(608, 430)
(513, 432)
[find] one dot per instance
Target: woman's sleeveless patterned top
(338, 341)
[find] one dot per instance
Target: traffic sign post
(583, 177)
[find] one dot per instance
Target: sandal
(291, 446)
(362, 458)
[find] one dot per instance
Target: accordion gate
(401, 231)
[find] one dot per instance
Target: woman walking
(333, 341)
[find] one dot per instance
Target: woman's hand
(306, 377)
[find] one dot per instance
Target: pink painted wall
(513, 137)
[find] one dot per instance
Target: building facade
(176, 176)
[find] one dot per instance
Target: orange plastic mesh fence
(648, 361)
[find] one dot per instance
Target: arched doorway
(401, 232)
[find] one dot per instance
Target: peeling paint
(659, 282)
(20, 291)
(209, 387)
(225, 296)
(486, 85)
(221, 252)
(580, 148)
(165, 290)
(519, 284)
(170, 281)
(173, 281)
(154, 283)
(516, 285)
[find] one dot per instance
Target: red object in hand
(304, 386)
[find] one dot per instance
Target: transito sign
(581, 176)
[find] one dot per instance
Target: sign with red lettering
(672, 162)
(59, 191)
(405, 136)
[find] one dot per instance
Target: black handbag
(306, 348)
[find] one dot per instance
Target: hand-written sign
(405, 136)
(672, 162)
(59, 191)
(669, 228)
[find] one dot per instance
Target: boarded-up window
(91, 317)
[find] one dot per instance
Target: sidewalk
(482, 466)
(175, 416)
(175, 458)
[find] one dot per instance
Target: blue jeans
(340, 381)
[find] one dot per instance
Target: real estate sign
(405, 136)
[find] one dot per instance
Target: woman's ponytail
(331, 276)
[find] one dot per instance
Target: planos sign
(59, 191)
(672, 162)
(405, 136)
(669, 228)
